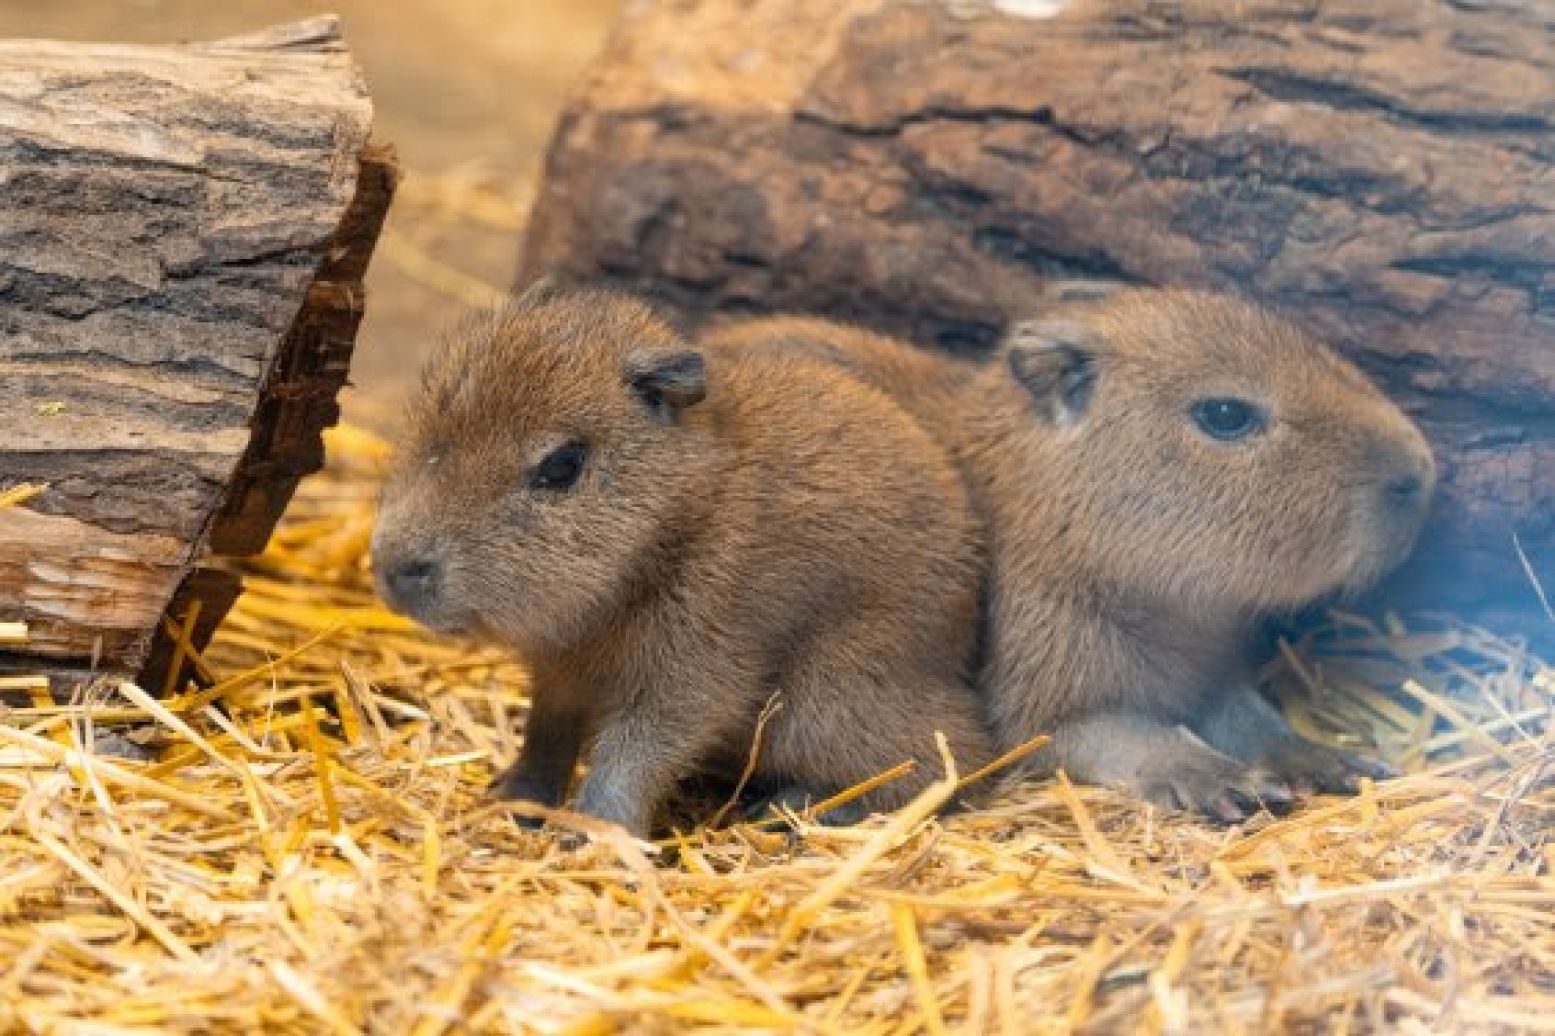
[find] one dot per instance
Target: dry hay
(469, 194)
(307, 848)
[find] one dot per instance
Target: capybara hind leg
(838, 728)
(1244, 725)
(1167, 765)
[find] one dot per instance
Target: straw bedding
(303, 844)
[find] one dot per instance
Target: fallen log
(1378, 169)
(183, 235)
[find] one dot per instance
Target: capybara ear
(1057, 362)
(668, 381)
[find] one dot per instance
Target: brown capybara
(672, 537)
(1160, 471)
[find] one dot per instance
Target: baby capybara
(671, 536)
(1160, 472)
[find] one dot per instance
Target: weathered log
(1381, 170)
(183, 234)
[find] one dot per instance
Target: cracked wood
(1378, 169)
(183, 234)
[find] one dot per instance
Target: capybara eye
(1228, 419)
(560, 468)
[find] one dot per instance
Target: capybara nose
(1405, 491)
(1406, 475)
(412, 582)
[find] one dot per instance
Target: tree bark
(183, 234)
(1380, 170)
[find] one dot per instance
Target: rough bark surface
(1381, 170)
(183, 233)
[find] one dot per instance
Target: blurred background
(467, 90)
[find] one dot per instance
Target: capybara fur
(672, 536)
(1160, 472)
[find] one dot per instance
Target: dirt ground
(467, 90)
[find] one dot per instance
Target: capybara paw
(603, 802)
(511, 785)
(1221, 790)
(1310, 768)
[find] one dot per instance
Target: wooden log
(183, 234)
(1380, 170)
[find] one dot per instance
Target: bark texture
(1380, 170)
(183, 234)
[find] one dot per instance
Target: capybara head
(1210, 452)
(552, 449)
